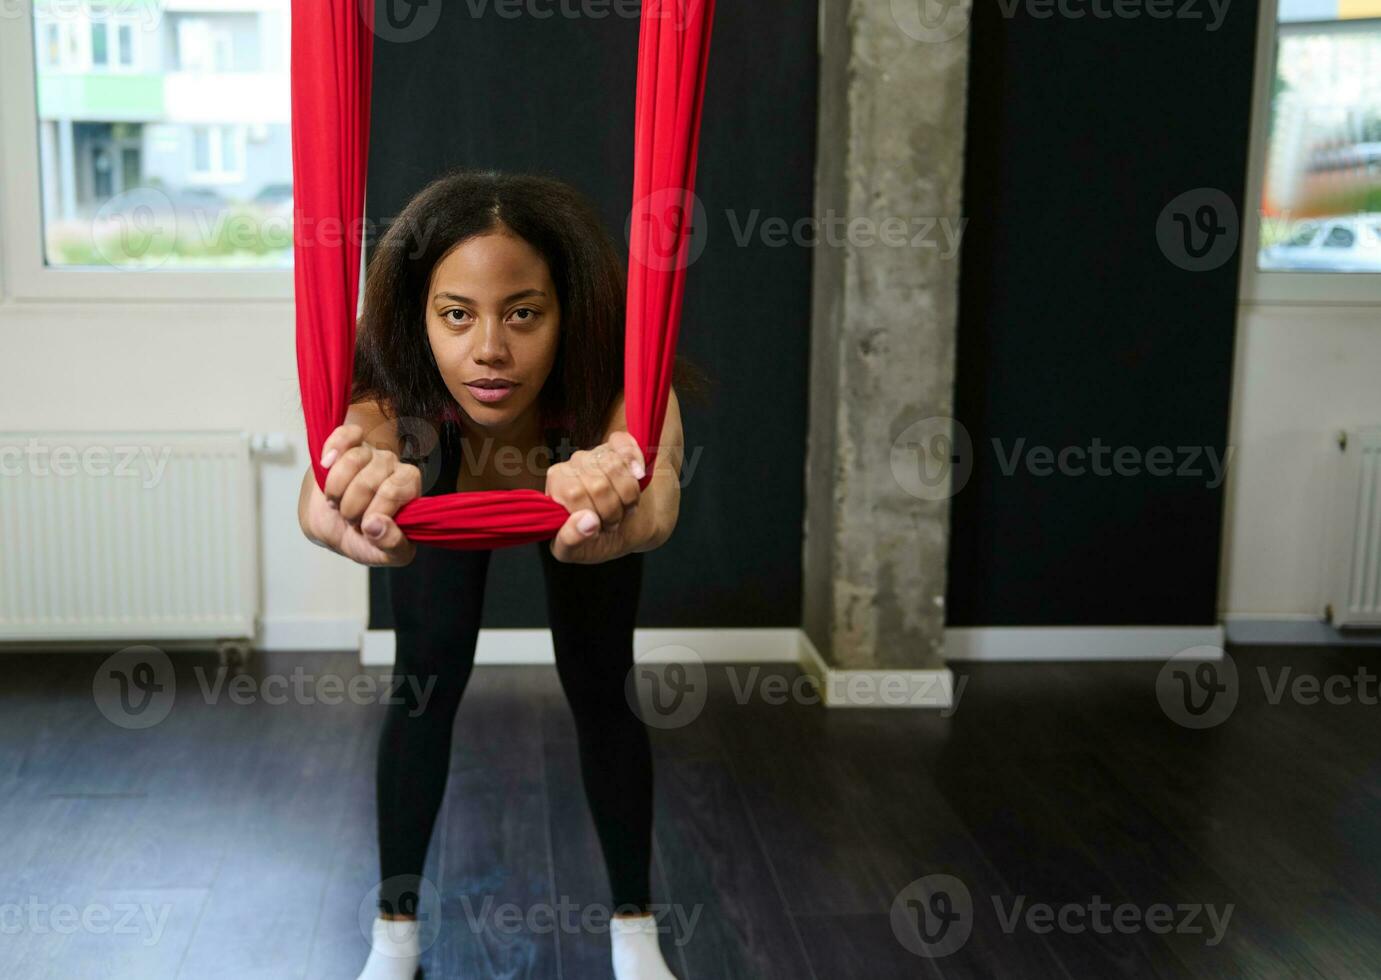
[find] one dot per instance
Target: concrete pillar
(889, 172)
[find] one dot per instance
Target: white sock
(637, 953)
(396, 950)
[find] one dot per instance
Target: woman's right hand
(365, 486)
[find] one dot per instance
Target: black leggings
(591, 608)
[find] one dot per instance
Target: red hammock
(332, 60)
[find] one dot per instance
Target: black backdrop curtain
(1085, 315)
(462, 84)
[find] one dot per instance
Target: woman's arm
(379, 429)
(660, 505)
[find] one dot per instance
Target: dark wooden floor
(792, 831)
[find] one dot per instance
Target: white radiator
(1355, 575)
(127, 536)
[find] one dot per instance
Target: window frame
(24, 272)
(1282, 288)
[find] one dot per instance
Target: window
(232, 151)
(204, 46)
(156, 126)
(218, 154)
(1320, 196)
(201, 149)
(100, 47)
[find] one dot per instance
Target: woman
(492, 328)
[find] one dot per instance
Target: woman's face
(492, 314)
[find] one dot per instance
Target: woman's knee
(603, 704)
(431, 669)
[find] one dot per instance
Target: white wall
(1302, 373)
(212, 365)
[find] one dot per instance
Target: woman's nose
(493, 344)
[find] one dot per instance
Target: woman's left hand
(600, 488)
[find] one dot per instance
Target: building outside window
(1321, 192)
(164, 123)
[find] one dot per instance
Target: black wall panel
(462, 84)
(1085, 314)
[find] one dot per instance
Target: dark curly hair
(394, 364)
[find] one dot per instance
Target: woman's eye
(531, 314)
(453, 316)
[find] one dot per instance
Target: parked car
(1350, 243)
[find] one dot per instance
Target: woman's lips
(491, 395)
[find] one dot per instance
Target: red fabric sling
(332, 61)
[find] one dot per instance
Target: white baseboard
(838, 688)
(887, 688)
(785, 645)
(902, 687)
(376, 648)
(1016, 643)
(309, 633)
(534, 646)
